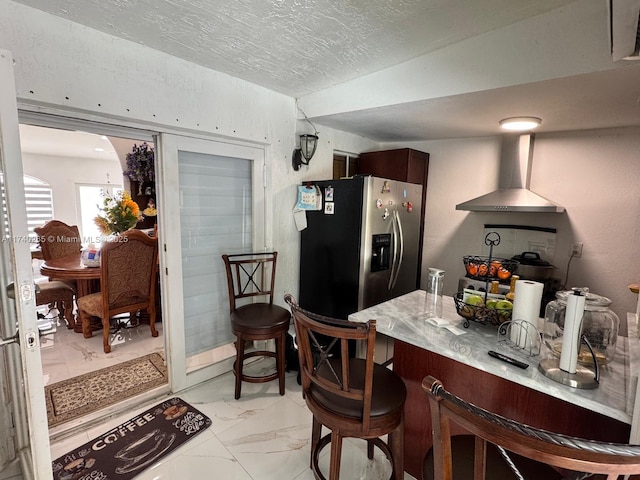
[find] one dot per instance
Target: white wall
(524, 52)
(63, 174)
(593, 174)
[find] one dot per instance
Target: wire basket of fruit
(487, 268)
(472, 307)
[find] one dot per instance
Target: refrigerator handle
(400, 256)
(394, 259)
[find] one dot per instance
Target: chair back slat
(320, 339)
(250, 275)
(561, 451)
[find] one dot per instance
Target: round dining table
(72, 268)
(87, 279)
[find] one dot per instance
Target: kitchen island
(458, 357)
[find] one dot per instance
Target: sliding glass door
(214, 204)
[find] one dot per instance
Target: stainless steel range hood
(513, 194)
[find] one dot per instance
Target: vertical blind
(215, 218)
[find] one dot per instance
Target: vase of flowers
(141, 165)
(118, 214)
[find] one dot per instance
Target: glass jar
(433, 300)
(599, 324)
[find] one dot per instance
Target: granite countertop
(402, 319)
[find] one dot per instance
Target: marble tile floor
(67, 354)
(262, 436)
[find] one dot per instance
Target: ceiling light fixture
(308, 145)
(520, 124)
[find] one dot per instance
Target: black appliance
(361, 248)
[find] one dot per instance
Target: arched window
(38, 201)
(38, 198)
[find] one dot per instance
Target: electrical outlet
(576, 249)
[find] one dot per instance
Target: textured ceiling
(296, 46)
(306, 48)
(598, 100)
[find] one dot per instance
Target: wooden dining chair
(352, 397)
(251, 277)
(498, 447)
(128, 267)
(57, 239)
(54, 293)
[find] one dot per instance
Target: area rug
(125, 451)
(89, 392)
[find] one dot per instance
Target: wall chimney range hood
(513, 194)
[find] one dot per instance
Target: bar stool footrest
(255, 379)
(326, 440)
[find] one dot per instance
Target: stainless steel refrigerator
(361, 247)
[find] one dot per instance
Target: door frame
(169, 202)
(24, 365)
(58, 117)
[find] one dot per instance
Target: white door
(213, 202)
(26, 443)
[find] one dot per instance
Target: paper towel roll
(571, 334)
(526, 306)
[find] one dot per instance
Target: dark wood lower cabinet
(492, 393)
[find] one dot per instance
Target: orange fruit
(493, 269)
(472, 269)
(503, 273)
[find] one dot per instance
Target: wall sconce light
(308, 145)
(520, 124)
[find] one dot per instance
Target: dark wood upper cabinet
(404, 165)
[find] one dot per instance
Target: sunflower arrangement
(119, 213)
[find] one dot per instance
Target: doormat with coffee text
(125, 451)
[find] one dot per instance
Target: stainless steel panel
(513, 194)
(378, 206)
(383, 201)
(510, 200)
(410, 220)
